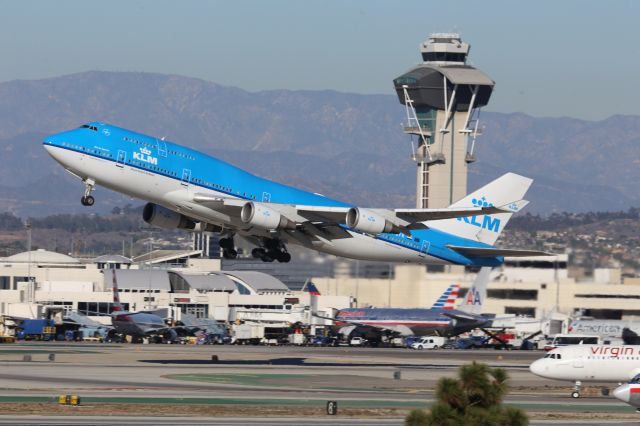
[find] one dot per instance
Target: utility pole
(31, 295)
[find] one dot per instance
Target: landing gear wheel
(87, 201)
(230, 254)
(575, 394)
(226, 243)
(284, 257)
(258, 253)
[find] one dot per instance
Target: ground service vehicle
(429, 342)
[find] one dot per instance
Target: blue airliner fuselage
(186, 187)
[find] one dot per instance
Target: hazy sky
(548, 57)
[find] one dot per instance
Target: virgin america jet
(194, 191)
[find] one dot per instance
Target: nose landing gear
(87, 199)
(576, 389)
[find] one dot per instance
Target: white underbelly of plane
(364, 247)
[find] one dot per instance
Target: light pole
(357, 283)
(31, 293)
(389, 286)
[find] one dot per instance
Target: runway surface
(249, 376)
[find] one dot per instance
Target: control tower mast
(443, 96)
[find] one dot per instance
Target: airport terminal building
(186, 283)
(174, 280)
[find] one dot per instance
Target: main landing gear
(228, 248)
(87, 199)
(272, 250)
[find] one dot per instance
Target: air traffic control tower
(443, 96)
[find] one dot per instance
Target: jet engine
(162, 217)
(364, 220)
(261, 216)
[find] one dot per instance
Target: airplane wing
(461, 316)
(84, 320)
(327, 222)
(492, 252)
(403, 330)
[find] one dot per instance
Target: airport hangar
(195, 285)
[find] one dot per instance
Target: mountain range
(343, 145)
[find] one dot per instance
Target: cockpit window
(87, 126)
(636, 379)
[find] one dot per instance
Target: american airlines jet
(629, 392)
(589, 363)
(442, 319)
(194, 191)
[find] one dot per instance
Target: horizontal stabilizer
(493, 252)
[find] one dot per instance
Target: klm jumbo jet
(190, 190)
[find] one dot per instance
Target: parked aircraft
(191, 190)
(441, 319)
(589, 363)
(137, 324)
(629, 392)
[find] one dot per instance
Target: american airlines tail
(311, 288)
(117, 307)
(506, 192)
(448, 298)
(477, 293)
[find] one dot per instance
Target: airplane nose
(537, 368)
(623, 393)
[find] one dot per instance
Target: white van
(572, 339)
(429, 342)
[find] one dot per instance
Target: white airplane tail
(477, 293)
(117, 306)
(506, 192)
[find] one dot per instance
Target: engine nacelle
(261, 216)
(162, 217)
(364, 220)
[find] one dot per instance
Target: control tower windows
(443, 57)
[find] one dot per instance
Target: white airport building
(172, 280)
(531, 287)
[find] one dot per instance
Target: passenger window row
(179, 154)
(88, 150)
(128, 139)
(154, 168)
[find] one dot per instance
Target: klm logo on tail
(490, 223)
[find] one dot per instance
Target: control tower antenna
(438, 93)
